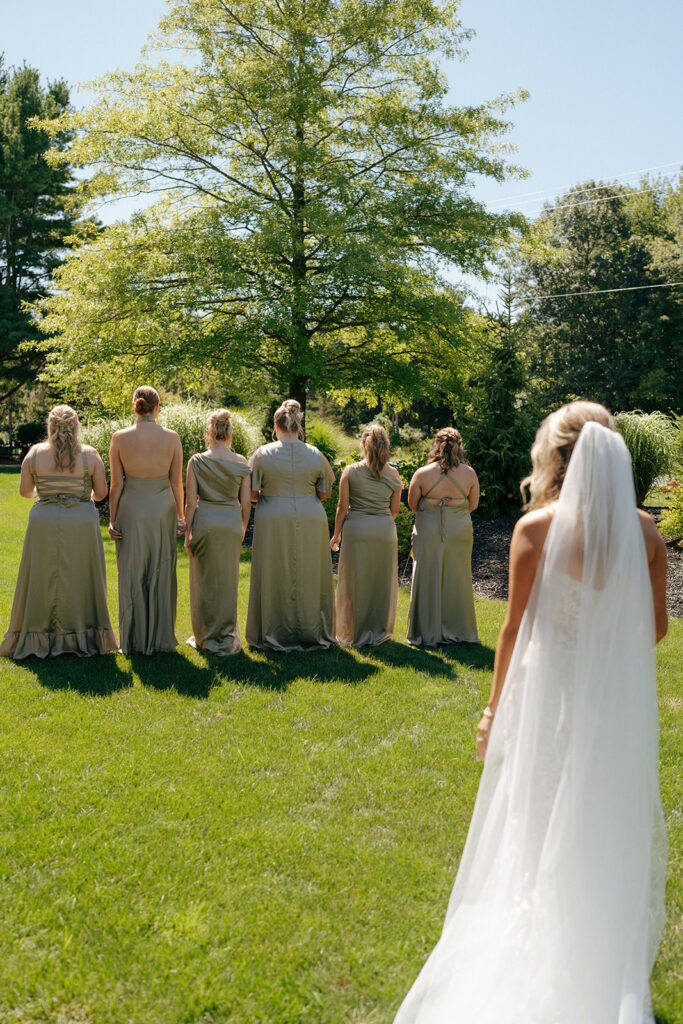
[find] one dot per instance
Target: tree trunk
(297, 390)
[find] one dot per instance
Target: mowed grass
(259, 839)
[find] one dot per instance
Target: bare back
(147, 450)
(459, 486)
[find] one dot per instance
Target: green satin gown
(60, 600)
(441, 597)
(215, 544)
(291, 594)
(367, 577)
(146, 559)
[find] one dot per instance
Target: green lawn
(260, 840)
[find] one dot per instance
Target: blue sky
(605, 78)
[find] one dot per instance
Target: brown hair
(375, 443)
(289, 418)
(145, 400)
(218, 426)
(447, 449)
(553, 447)
(63, 433)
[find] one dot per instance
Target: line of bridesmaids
(60, 599)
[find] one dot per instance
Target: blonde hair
(63, 434)
(289, 418)
(145, 400)
(553, 447)
(375, 443)
(447, 450)
(218, 426)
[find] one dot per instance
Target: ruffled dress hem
(84, 644)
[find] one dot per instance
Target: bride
(557, 908)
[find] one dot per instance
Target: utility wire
(604, 291)
(565, 188)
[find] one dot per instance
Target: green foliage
(496, 430)
(325, 437)
(38, 211)
(404, 530)
(31, 433)
(650, 438)
(671, 523)
(620, 343)
(314, 183)
(188, 419)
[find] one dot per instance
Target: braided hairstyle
(218, 426)
(289, 418)
(375, 444)
(447, 450)
(145, 400)
(63, 434)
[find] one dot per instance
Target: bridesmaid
(442, 494)
(146, 515)
(367, 581)
(218, 504)
(60, 601)
(291, 596)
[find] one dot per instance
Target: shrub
(671, 523)
(404, 530)
(651, 439)
(188, 419)
(31, 433)
(325, 438)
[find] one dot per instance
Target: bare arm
(245, 503)
(525, 553)
(115, 487)
(414, 492)
(342, 509)
(191, 505)
(324, 495)
(99, 478)
(175, 476)
(27, 487)
(473, 496)
(657, 560)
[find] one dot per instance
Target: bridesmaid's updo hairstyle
(447, 450)
(64, 433)
(289, 418)
(218, 427)
(375, 444)
(553, 447)
(145, 400)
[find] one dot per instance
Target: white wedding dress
(558, 906)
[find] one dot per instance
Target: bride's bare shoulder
(532, 528)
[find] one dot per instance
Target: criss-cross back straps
(438, 479)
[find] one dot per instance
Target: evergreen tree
(314, 183)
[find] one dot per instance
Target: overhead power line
(549, 193)
(604, 291)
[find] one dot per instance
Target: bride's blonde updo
(375, 444)
(64, 434)
(553, 446)
(447, 450)
(145, 400)
(289, 418)
(218, 427)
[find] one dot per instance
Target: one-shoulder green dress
(215, 546)
(60, 600)
(441, 597)
(291, 594)
(146, 559)
(367, 576)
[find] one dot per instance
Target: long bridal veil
(557, 908)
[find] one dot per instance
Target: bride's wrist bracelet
(487, 713)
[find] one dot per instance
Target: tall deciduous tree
(37, 211)
(313, 185)
(597, 327)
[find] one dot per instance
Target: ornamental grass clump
(651, 439)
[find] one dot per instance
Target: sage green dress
(60, 600)
(215, 544)
(441, 598)
(146, 559)
(291, 594)
(367, 576)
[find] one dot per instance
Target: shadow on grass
(92, 677)
(267, 670)
(474, 655)
(419, 659)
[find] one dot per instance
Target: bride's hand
(483, 730)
